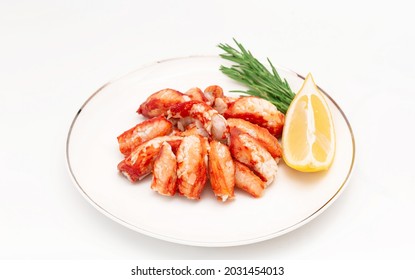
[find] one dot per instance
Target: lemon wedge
(308, 138)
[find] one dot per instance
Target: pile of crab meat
(198, 136)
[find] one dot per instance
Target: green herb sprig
(260, 81)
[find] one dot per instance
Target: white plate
(92, 155)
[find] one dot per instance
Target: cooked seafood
(192, 129)
(221, 171)
(245, 149)
(196, 94)
(196, 136)
(159, 102)
(212, 92)
(164, 171)
(191, 167)
(203, 116)
(140, 162)
(258, 111)
(246, 180)
(262, 135)
(144, 131)
(222, 104)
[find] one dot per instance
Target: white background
(55, 54)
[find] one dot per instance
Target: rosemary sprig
(260, 81)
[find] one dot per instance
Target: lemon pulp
(308, 137)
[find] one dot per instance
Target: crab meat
(221, 171)
(262, 135)
(176, 132)
(258, 111)
(203, 116)
(191, 167)
(212, 92)
(245, 149)
(144, 131)
(246, 180)
(196, 94)
(140, 162)
(200, 135)
(164, 171)
(159, 102)
(222, 104)
(192, 129)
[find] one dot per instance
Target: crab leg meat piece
(221, 171)
(196, 94)
(159, 102)
(164, 171)
(140, 162)
(191, 168)
(212, 92)
(204, 116)
(246, 180)
(220, 128)
(262, 135)
(144, 131)
(245, 149)
(222, 104)
(183, 123)
(258, 111)
(192, 129)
